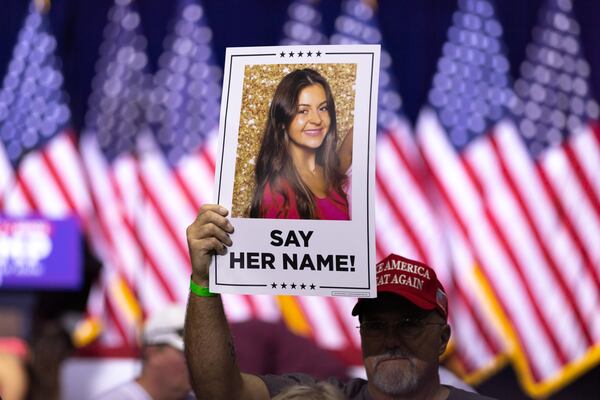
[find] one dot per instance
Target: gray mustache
(390, 355)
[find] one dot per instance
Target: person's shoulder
(353, 389)
(276, 383)
(459, 394)
(127, 391)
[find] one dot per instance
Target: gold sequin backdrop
(260, 82)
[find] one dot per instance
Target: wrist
(201, 280)
(201, 290)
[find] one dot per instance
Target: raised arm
(209, 349)
(345, 151)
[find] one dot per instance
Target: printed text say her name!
(291, 261)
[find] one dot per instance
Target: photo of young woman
(300, 170)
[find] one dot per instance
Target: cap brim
(171, 339)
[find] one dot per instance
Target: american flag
(513, 233)
(108, 146)
(177, 155)
(557, 121)
(152, 166)
(406, 221)
(40, 169)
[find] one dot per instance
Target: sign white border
(352, 242)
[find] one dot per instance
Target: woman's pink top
(332, 207)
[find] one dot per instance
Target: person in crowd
(403, 331)
(318, 391)
(300, 171)
(14, 376)
(164, 374)
(50, 346)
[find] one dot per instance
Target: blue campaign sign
(39, 253)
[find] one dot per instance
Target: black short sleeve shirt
(353, 389)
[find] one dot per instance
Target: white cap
(165, 327)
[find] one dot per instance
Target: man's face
(401, 359)
(170, 368)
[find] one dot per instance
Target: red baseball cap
(412, 280)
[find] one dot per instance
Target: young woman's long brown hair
(274, 164)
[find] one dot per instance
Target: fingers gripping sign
(208, 235)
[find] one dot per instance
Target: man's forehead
(387, 303)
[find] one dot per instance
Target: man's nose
(392, 339)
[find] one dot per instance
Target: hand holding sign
(207, 235)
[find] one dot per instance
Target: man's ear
(444, 338)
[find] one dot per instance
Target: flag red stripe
(409, 167)
(114, 319)
(381, 252)
(187, 193)
(251, 305)
(551, 263)
(582, 177)
(165, 222)
(150, 261)
(105, 231)
(22, 185)
(566, 220)
(518, 268)
(465, 232)
(490, 343)
(206, 155)
(57, 179)
(141, 245)
(401, 219)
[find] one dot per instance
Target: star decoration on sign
(294, 286)
(299, 54)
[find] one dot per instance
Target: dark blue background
(413, 32)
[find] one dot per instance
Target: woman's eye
(323, 109)
(302, 111)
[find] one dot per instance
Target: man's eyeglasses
(403, 327)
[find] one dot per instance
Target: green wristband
(200, 290)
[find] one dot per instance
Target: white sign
(296, 168)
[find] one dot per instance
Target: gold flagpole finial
(371, 3)
(43, 6)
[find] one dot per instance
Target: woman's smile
(313, 132)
